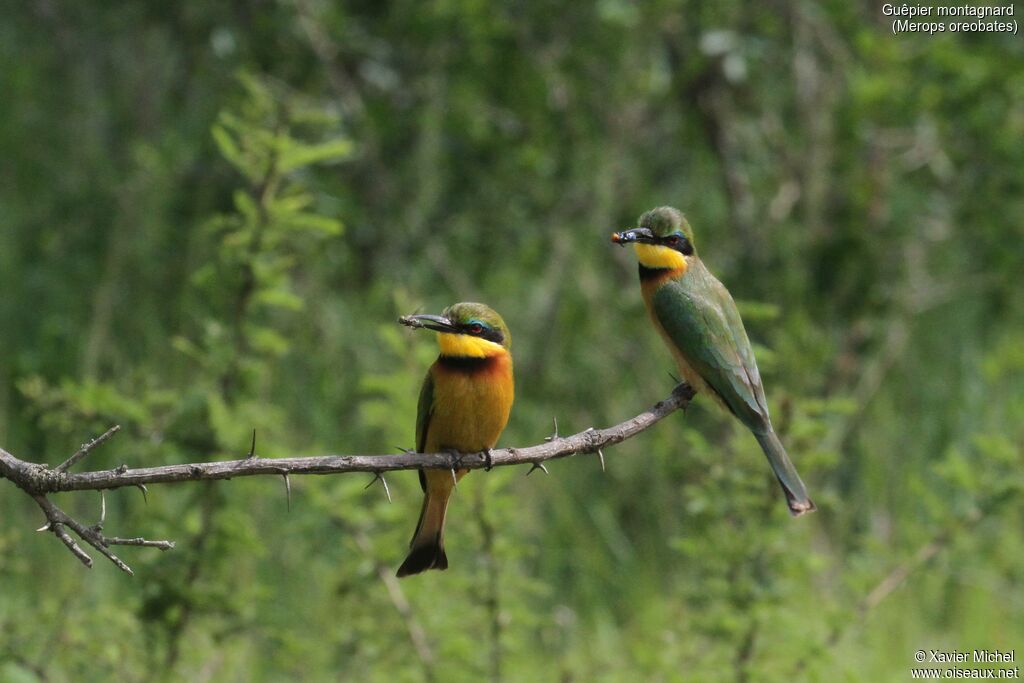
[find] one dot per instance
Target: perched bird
(697, 317)
(464, 406)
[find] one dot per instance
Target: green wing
(701, 319)
(424, 411)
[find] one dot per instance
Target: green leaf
(246, 205)
(228, 147)
(312, 222)
(304, 155)
(279, 298)
(266, 340)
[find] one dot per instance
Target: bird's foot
(488, 459)
(684, 391)
(454, 463)
(456, 457)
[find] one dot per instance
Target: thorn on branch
(103, 510)
(252, 448)
(537, 466)
(145, 498)
(287, 490)
(380, 476)
(86, 448)
(600, 456)
(554, 434)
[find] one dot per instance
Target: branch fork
(57, 520)
(37, 480)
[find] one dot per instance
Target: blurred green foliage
(212, 213)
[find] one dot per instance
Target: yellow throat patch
(657, 256)
(466, 346)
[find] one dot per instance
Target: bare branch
(38, 480)
(86, 448)
(92, 535)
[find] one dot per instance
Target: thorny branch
(39, 480)
(57, 520)
(85, 449)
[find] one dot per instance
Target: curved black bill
(431, 322)
(642, 235)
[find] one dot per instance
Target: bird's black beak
(431, 322)
(642, 235)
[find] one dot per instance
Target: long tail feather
(427, 546)
(796, 494)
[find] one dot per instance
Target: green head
(465, 319)
(663, 226)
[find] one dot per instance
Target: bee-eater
(464, 406)
(698, 320)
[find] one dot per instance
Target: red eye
(674, 239)
(476, 328)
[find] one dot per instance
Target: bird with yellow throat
(697, 318)
(464, 406)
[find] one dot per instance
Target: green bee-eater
(697, 317)
(464, 405)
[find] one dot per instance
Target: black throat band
(466, 364)
(647, 273)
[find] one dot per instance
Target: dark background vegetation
(211, 214)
